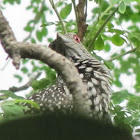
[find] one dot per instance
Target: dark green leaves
(66, 11)
(128, 115)
(11, 109)
(134, 103)
(120, 96)
(40, 84)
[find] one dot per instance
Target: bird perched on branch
(94, 75)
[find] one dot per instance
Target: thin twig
(101, 28)
(75, 10)
(58, 15)
(5, 65)
(86, 10)
(104, 13)
(25, 86)
(123, 54)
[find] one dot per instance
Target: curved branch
(17, 50)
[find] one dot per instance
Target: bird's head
(70, 46)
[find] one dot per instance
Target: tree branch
(17, 50)
(101, 28)
(59, 17)
(25, 86)
(123, 54)
(75, 10)
(81, 10)
(105, 12)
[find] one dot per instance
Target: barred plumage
(94, 74)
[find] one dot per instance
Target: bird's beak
(63, 37)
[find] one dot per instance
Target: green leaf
(29, 7)
(136, 122)
(33, 104)
(35, 85)
(39, 35)
(134, 103)
(52, 75)
(44, 82)
(114, 1)
(117, 83)
(99, 44)
(120, 96)
(28, 28)
(18, 1)
(134, 37)
(24, 61)
(117, 31)
(107, 47)
(117, 40)
(122, 8)
(65, 11)
(35, 68)
(50, 40)
(44, 31)
(11, 109)
(33, 40)
(11, 94)
(18, 77)
(127, 1)
(24, 70)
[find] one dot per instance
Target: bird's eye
(77, 39)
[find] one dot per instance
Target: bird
(94, 74)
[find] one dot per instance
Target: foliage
(106, 31)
